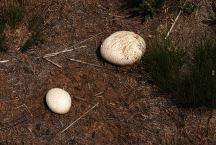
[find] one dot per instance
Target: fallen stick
(176, 19)
(84, 114)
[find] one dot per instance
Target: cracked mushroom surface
(123, 48)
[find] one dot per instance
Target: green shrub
(189, 8)
(148, 8)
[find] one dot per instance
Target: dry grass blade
(72, 47)
(89, 38)
(84, 114)
(79, 98)
(54, 63)
(4, 61)
(86, 63)
(60, 52)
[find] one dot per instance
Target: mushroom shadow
(98, 54)
(45, 104)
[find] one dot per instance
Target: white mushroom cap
(58, 100)
(123, 48)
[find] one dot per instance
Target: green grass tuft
(34, 39)
(200, 85)
(2, 43)
(36, 23)
(35, 26)
(2, 21)
(13, 15)
(197, 87)
(163, 62)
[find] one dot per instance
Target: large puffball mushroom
(58, 100)
(123, 48)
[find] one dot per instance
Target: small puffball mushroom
(123, 48)
(58, 100)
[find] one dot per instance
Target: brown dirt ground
(130, 110)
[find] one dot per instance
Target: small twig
(86, 63)
(4, 61)
(54, 63)
(84, 114)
